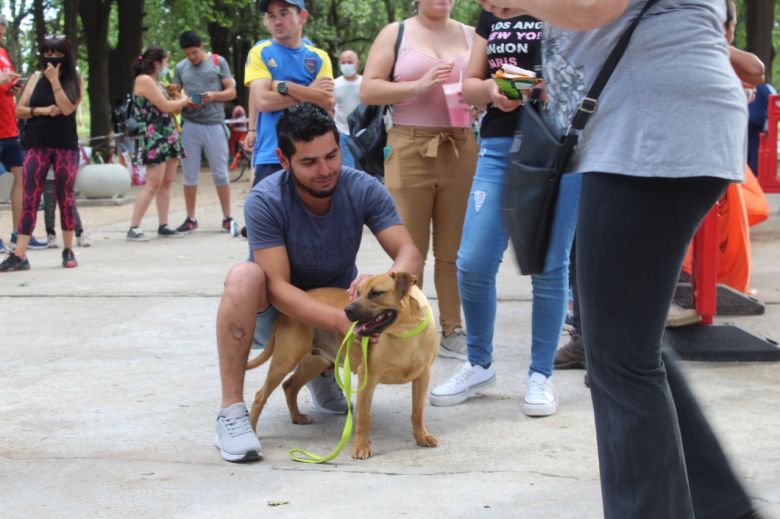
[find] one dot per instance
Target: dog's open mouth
(377, 324)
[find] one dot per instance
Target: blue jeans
(482, 246)
(346, 156)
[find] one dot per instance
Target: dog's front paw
(426, 440)
(302, 419)
(362, 451)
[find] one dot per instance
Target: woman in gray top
(657, 155)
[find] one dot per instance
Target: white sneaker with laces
(235, 438)
(461, 386)
(540, 398)
(453, 346)
(51, 241)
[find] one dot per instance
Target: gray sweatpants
(212, 139)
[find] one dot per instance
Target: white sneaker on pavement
(540, 398)
(461, 386)
(83, 239)
(235, 438)
(453, 346)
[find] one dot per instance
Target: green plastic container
(512, 87)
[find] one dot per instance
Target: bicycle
(240, 161)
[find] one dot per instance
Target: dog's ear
(403, 283)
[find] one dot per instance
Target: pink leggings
(37, 162)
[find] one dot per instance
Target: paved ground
(110, 389)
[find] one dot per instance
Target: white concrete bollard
(103, 180)
(6, 183)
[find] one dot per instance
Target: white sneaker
(453, 346)
(680, 316)
(235, 438)
(51, 241)
(467, 381)
(540, 398)
(83, 240)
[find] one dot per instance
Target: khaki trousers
(428, 173)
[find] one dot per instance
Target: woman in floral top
(159, 143)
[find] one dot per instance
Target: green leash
(346, 386)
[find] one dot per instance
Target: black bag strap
(398, 40)
(590, 102)
(130, 108)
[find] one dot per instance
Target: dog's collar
(417, 330)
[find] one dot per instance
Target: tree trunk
(94, 18)
(390, 8)
(221, 37)
(12, 36)
(71, 24)
(241, 48)
(128, 48)
(759, 22)
(39, 22)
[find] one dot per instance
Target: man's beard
(314, 192)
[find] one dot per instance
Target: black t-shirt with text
(516, 41)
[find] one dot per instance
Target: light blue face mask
(164, 72)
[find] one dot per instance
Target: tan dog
(388, 305)
(173, 90)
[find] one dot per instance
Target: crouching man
(304, 227)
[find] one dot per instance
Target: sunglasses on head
(55, 37)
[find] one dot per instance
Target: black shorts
(11, 153)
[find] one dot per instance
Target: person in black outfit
(49, 103)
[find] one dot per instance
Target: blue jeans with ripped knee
(482, 247)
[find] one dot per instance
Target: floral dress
(158, 138)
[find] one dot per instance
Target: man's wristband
(32, 111)
(251, 130)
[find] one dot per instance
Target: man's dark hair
(189, 39)
(303, 122)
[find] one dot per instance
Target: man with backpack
(205, 77)
(281, 72)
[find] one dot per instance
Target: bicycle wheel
(236, 168)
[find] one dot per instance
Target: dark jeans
(658, 457)
(264, 170)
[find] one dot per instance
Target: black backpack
(368, 129)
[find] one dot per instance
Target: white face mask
(348, 69)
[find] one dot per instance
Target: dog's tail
(264, 356)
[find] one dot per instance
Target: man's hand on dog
(353, 287)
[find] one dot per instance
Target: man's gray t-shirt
(673, 107)
(321, 249)
(206, 76)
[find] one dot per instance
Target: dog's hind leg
(419, 396)
(309, 367)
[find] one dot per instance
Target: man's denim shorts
(264, 327)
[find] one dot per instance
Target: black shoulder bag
(533, 174)
(368, 129)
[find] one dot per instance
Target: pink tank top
(429, 109)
